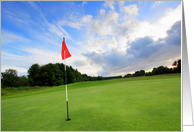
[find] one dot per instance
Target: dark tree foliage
(139, 73)
(128, 75)
(77, 75)
(32, 74)
(160, 70)
(9, 78)
(177, 65)
(85, 77)
(49, 75)
(23, 81)
(148, 74)
(111, 77)
(54, 75)
(70, 75)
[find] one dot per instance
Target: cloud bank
(143, 53)
(104, 38)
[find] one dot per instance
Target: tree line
(54, 75)
(159, 70)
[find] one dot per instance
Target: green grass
(129, 104)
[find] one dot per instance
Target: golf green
(129, 104)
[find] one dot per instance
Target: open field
(129, 104)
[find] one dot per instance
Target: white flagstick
(66, 89)
(66, 80)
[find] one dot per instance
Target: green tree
(139, 73)
(9, 78)
(99, 78)
(85, 77)
(23, 81)
(148, 73)
(32, 73)
(49, 75)
(177, 65)
(78, 76)
(128, 75)
(70, 72)
(70, 75)
(160, 70)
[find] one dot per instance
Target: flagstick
(66, 90)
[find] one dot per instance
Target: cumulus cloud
(117, 42)
(109, 42)
(121, 3)
(133, 44)
(107, 24)
(131, 10)
(79, 63)
(123, 27)
(174, 35)
(104, 24)
(143, 53)
(109, 4)
(109, 61)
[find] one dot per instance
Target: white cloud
(143, 53)
(111, 43)
(55, 30)
(20, 70)
(155, 30)
(79, 43)
(171, 16)
(64, 33)
(127, 31)
(84, 2)
(130, 11)
(104, 24)
(43, 56)
(9, 37)
(121, 3)
(109, 35)
(157, 3)
(80, 63)
(34, 5)
(86, 19)
(19, 18)
(102, 12)
(105, 32)
(75, 21)
(109, 4)
(34, 55)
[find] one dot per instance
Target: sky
(105, 38)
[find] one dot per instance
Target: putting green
(129, 104)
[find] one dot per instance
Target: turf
(127, 104)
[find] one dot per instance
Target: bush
(3, 91)
(10, 88)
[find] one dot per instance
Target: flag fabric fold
(65, 52)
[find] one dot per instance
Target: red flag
(64, 51)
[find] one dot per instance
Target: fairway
(129, 104)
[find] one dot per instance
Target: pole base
(68, 119)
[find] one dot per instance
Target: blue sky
(105, 38)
